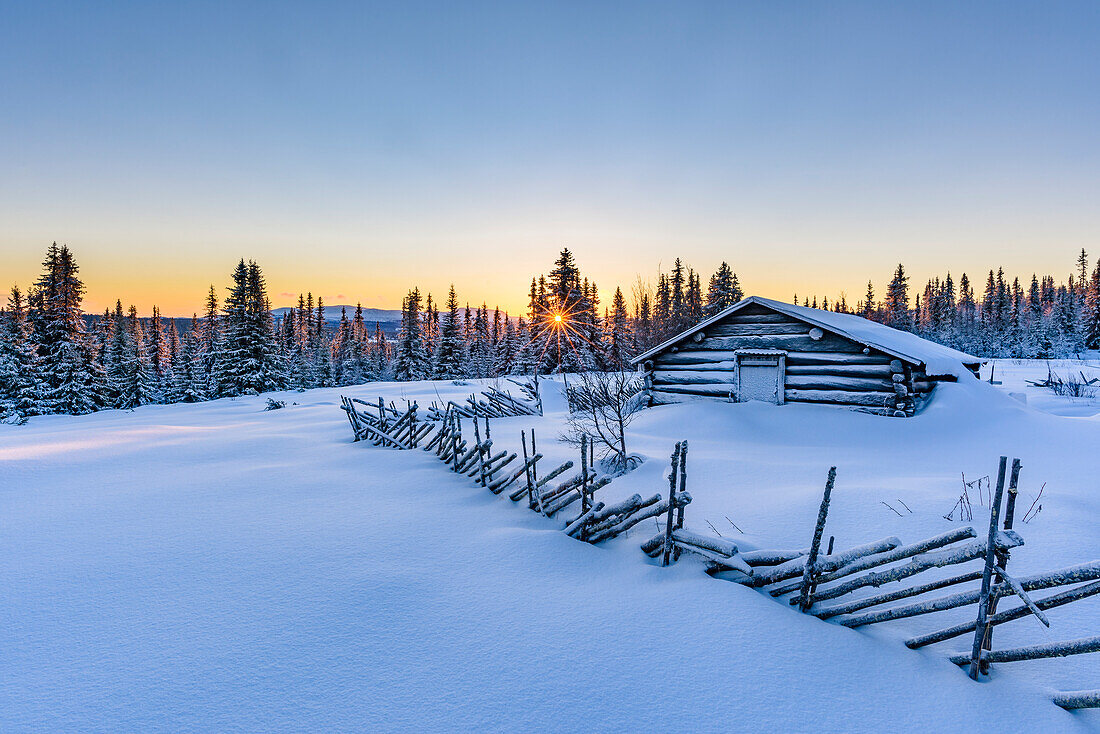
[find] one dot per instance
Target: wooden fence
(839, 587)
(835, 586)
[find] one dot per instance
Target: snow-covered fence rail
(594, 522)
(492, 403)
(530, 388)
(808, 578)
(402, 432)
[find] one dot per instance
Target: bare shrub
(602, 406)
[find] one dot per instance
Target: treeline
(54, 361)
(565, 327)
(1043, 319)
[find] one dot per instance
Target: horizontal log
(693, 356)
(849, 370)
(654, 545)
(718, 545)
(790, 327)
(1051, 579)
(797, 565)
(504, 482)
(1077, 699)
(771, 557)
(490, 471)
(1034, 652)
(574, 527)
(854, 356)
(791, 342)
(758, 318)
(841, 397)
(563, 500)
(896, 595)
(615, 514)
(881, 559)
(726, 365)
(625, 523)
(692, 377)
(487, 463)
(717, 389)
(829, 382)
(891, 411)
(625, 506)
(659, 397)
(1055, 600)
(949, 557)
(733, 562)
(382, 436)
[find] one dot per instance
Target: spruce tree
(723, 291)
(619, 339)
(869, 309)
(188, 375)
(251, 362)
(160, 362)
(448, 357)
(677, 317)
(1092, 310)
(72, 380)
(210, 345)
(506, 349)
(897, 301)
(410, 359)
(20, 392)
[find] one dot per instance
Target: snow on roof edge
(938, 360)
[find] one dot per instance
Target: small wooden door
(760, 376)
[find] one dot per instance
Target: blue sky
(358, 149)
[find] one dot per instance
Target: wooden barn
(760, 349)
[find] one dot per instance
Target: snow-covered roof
(937, 359)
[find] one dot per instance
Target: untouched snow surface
(218, 567)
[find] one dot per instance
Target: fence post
(804, 600)
(982, 625)
(1002, 556)
(683, 488)
(671, 505)
(584, 473)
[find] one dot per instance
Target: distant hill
(332, 313)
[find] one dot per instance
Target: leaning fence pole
(671, 505)
(804, 600)
(480, 451)
(584, 473)
(982, 625)
(1002, 556)
(683, 488)
(456, 440)
(527, 470)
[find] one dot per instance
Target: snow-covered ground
(1013, 375)
(219, 567)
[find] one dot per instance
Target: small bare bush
(602, 406)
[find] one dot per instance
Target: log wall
(830, 369)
